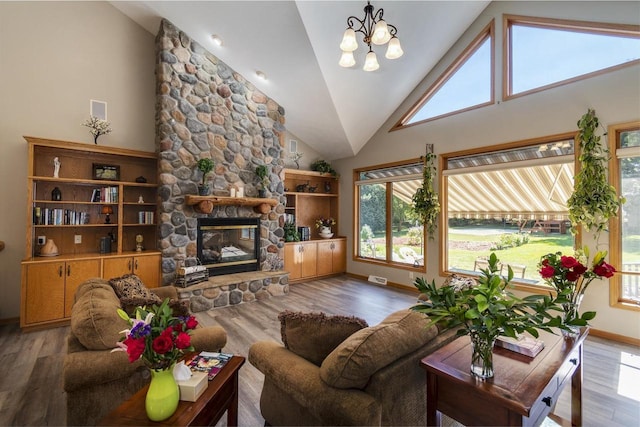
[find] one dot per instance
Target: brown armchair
(371, 378)
(95, 379)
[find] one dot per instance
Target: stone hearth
(233, 289)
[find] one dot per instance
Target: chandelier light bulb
(380, 33)
(371, 62)
(347, 59)
(349, 42)
(394, 50)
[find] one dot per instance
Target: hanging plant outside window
(426, 205)
(594, 200)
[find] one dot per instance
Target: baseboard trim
(614, 337)
(9, 320)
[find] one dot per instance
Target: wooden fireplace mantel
(205, 204)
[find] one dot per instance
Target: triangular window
(466, 84)
(545, 53)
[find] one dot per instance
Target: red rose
(547, 272)
(183, 340)
(163, 343)
(545, 262)
(192, 322)
(135, 347)
(572, 276)
(177, 327)
(604, 270)
(579, 268)
(568, 261)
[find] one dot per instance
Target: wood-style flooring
(30, 363)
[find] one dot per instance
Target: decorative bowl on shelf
(326, 235)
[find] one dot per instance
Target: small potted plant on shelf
(291, 232)
(486, 311)
(205, 165)
(263, 175)
(323, 167)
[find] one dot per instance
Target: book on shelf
(523, 344)
(208, 362)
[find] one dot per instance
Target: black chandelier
(376, 31)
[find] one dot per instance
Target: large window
(545, 53)
(624, 173)
(387, 231)
(510, 199)
(466, 84)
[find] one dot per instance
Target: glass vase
(570, 313)
(482, 355)
(163, 395)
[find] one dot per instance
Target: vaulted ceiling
(334, 110)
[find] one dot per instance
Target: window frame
(388, 221)
(615, 224)
(488, 32)
(444, 199)
(558, 24)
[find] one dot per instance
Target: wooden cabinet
(70, 208)
(146, 267)
(50, 287)
(315, 258)
(332, 257)
(300, 260)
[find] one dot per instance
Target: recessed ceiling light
(216, 39)
(262, 75)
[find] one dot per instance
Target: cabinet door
(325, 258)
(116, 267)
(147, 268)
(293, 260)
(309, 259)
(44, 297)
(76, 272)
(339, 256)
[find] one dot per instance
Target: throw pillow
(365, 352)
(314, 335)
(130, 286)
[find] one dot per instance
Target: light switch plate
(77, 238)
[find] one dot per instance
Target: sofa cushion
(365, 352)
(130, 286)
(94, 318)
(314, 335)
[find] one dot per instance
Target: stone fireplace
(228, 245)
(204, 109)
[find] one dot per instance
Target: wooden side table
(522, 392)
(221, 395)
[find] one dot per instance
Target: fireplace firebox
(229, 245)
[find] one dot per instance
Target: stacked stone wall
(205, 109)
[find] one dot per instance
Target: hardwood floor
(30, 363)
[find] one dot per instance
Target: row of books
(47, 216)
(105, 195)
(289, 218)
(145, 217)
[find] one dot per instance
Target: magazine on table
(209, 362)
(523, 344)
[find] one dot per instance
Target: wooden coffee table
(221, 395)
(522, 393)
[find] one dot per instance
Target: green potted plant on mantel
(594, 200)
(263, 175)
(486, 311)
(426, 205)
(205, 165)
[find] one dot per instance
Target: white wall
(615, 97)
(309, 155)
(54, 58)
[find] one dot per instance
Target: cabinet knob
(547, 400)
(68, 270)
(333, 246)
(136, 265)
(60, 271)
(129, 265)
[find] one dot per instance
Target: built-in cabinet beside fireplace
(312, 195)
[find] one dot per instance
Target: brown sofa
(95, 379)
(371, 378)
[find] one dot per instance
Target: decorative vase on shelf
(49, 248)
(204, 190)
(325, 232)
(163, 395)
(56, 194)
(482, 355)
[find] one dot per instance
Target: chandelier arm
(392, 29)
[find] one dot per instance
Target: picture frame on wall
(106, 172)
